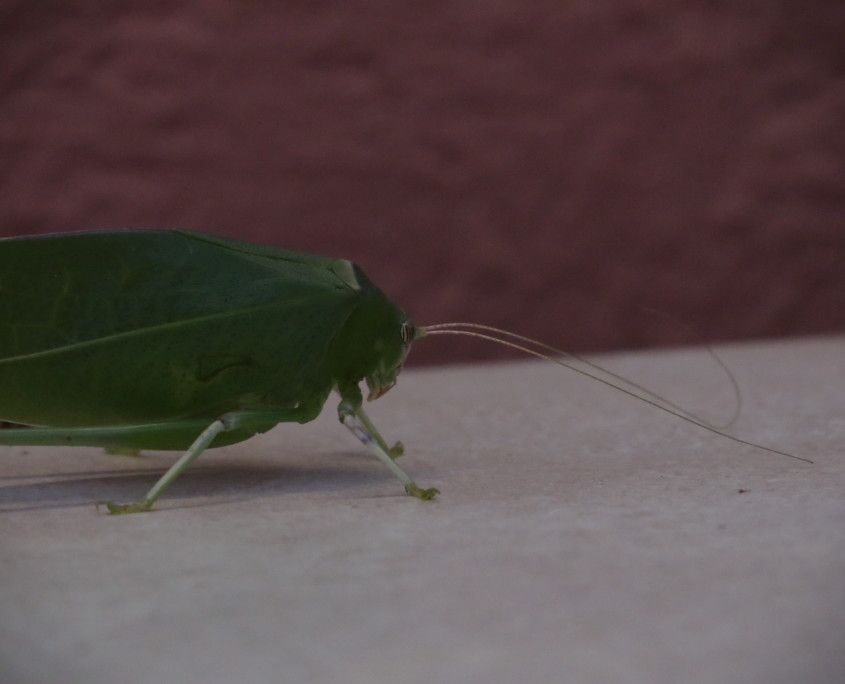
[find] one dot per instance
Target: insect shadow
(68, 490)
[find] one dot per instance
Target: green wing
(65, 289)
(120, 327)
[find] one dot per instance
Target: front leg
(394, 451)
(352, 416)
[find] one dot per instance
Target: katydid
(175, 340)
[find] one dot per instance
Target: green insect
(173, 340)
(148, 339)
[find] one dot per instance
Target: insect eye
(406, 332)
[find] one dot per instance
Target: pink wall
(552, 167)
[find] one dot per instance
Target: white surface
(580, 537)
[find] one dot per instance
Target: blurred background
(554, 167)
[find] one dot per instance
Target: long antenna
(493, 334)
(616, 376)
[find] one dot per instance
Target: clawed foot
(122, 509)
(424, 494)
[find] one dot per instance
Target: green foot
(424, 494)
(122, 509)
(396, 450)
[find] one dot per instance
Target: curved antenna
(616, 376)
(666, 406)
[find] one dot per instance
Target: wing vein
(174, 325)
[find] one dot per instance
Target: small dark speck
(741, 491)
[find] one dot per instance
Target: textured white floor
(580, 537)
